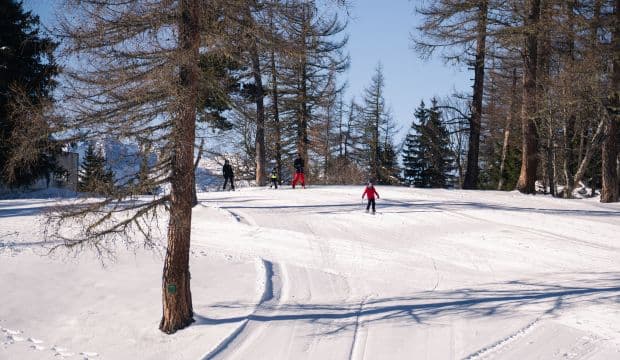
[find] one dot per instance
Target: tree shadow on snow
(514, 298)
(464, 205)
(390, 206)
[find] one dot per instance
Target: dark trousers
(274, 182)
(232, 182)
(371, 201)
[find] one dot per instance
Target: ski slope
(307, 274)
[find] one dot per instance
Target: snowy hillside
(307, 274)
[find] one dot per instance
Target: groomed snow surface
(307, 274)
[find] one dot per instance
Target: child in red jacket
(370, 193)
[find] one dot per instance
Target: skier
(370, 193)
(298, 164)
(227, 171)
(274, 179)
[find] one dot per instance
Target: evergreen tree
(27, 69)
(427, 158)
(389, 170)
(94, 177)
(413, 157)
(441, 158)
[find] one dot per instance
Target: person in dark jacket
(273, 177)
(298, 164)
(370, 193)
(227, 171)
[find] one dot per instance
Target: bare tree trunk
(259, 95)
(550, 161)
(529, 159)
(507, 126)
(196, 162)
(472, 172)
(276, 117)
(177, 298)
(261, 178)
(610, 189)
(302, 130)
(592, 146)
(568, 129)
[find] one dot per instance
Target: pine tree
(412, 156)
(427, 158)
(389, 170)
(408, 158)
(27, 68)
(414, 153)
(440, 155)
(94, 176)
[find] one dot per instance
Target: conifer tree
(408, 157)
(378, 126)
(27, 70)
(94, 176)
(427, 159)
(415, 157)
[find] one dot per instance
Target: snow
(307, 274)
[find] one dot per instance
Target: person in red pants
(370, 193)
(298, 164)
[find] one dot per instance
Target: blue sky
(378, 32)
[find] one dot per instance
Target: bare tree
(315, 55)
(459, 26)
(529, 157)
(611, 185)
(133, 73)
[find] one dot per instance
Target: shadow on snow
(504, 299)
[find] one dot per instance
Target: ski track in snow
(358, 345)
(495, 347)
(360, 331)
(283, 312)
(270, 296)
(231, 214)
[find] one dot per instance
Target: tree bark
(551, 161)
(177, 298)
(259, 94)
(592, 146)
(475, 121)
(610, 187)
(196, 162)
(276, 117)
(513, 101)
(529, 158)
(302, 128)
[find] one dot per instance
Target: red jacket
(370, 192)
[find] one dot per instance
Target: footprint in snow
(35, 341)
(37, 347)
(88, 355)
(62, 352)
(11, 332)
(64, 355)
(17, 338)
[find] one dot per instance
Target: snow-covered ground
(307, 274)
